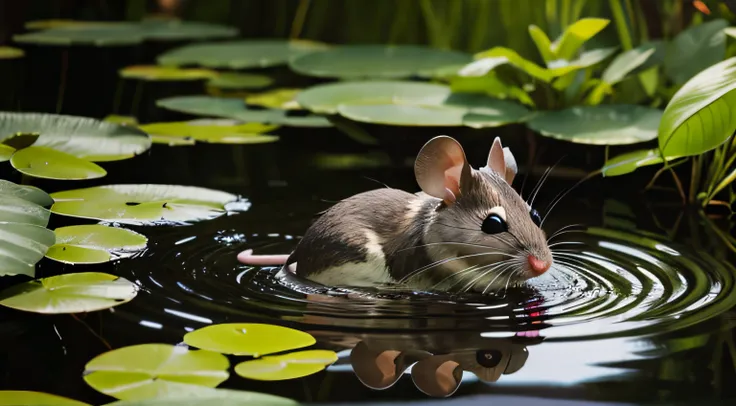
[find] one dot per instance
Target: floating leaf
(599, 125)
(404, 115)
(20, 210)
(21, 140)
(85, 138)
(239, 54)
(29, 193)
(288, 366)
(69, 293)
(56, 23)
(694, 49)
(177, 30)
(576, 34)
(30, 398)
(47, 163)
(163, 73)
(236, 109)
(484, 111)
(122, 120)
(172, 140)
(631, 161)
(376, 61)
(196, 395)
(276, 99)
(11, 53)
(142, 204)
(626, 62)
(6, 152)
(248, 338)
(151, 370)
(699, 117)
(229, 80)
(94, 244)
(214, 131)
(22, 246)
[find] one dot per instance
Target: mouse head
(492, 235)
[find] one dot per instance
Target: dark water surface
(638, 309)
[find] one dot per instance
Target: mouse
(466, 230)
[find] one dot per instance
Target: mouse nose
(537, 265)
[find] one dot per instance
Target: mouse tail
(247, 257)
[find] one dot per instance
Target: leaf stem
(622, 27)
(62, 80)
(301, 15)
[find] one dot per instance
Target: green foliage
(288, 366)
(31, 398)
(252, 339)
(48, 163)
(215, 131)
(94, 244)
(695, 49)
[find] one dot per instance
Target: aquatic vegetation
(31, 398)
(48, 163)
(149, 370)
(288, 366)
(161, 73)
(215, 131)
(376, 61)
(254, 339)
(245, 54)
(11, 53)
(695, 49)
(143, 204)
(94, 244)
(196, 395)
(239, 81)
(282, 98)
(69, 293)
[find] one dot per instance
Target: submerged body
(467, 230)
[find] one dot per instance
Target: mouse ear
(441, 167)
(501, 161)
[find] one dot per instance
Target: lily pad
(177, 30)
(484, 111)
(599, 125)
(144, 204)
(404, 115)
(6, 152)
(11, 53)
(122, 120)
(288, 366)
(377, 61)
(162, 73)
(20, 210)
(47, 163)
(631, 161)
(236, 109)
(69, 293)
(85, 138)
(151, 370)
(59, 22)
(248, 338)
(94, 244)
(222, 131)
(31, 398)
(196, 395)
(29, 193)
(284, 98)
(260, 53)
(230, 80)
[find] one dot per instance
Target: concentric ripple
(605, 283)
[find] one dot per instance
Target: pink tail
(248, 258)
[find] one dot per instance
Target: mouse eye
(536, 218)
(494, 224)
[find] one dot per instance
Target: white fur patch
(367, 273)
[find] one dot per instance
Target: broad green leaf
(122, 120)
(529, 67)
(489, 84)
(196, 395)
(254, 53)
(94, 244)
(253, 339)
(730, 31)
(20, 140)
(142, 204)
(47, 163)
(695, 49)
(85, 138)
(403, 115)
(165, 73)
(69, 293)
(592, 57)
(59, 22)
(700, 115)
(11, 53)
(230, 80)
(218, 131)
(626, 62)
(484, 111)
(18, 209)
(649, 80)
(6, 152)
(599, 125)
(30, 398)
(30, 193)
(482, 66)
(631, 161)
(596, 95)
(282, 98)
(288, 366)
(150, 370)
(376, 61)
(576, 35)
(544, 45)
(22, 246)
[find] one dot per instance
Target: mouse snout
(538, 266)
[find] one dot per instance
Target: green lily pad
(94, 244)
(288, 366)
(631, 161)
(144, 204)
(150, 370)
(20, 210)
(163, 73)
(29, 193)
(236, 109)
(85, 138)
(6, 152)
(283, 98)
(222, 131)
(196, 395)
(326, 98)
(122, 120)
(11, 53)
(376, 61)
(599, 125)
(484, 111)
(176, 30)
(229, 80)
(404, 115)
(30, 398)
(246, 54)
(47, 163)
(69, 293)
(248, 338)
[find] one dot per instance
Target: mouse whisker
(440, 262)
(473, 282)
(540, 182)
(559, 233)
(506, 269)
(451, 243)
(484, 270)
(556, 200)
(561, 229)
(565, 242)
(455, 274)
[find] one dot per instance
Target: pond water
(637, 308)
